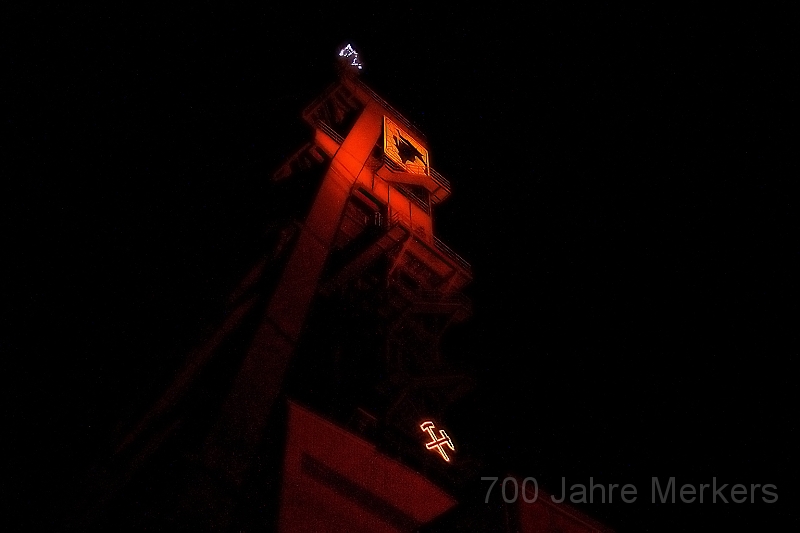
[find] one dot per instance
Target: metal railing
(438, 178)
(420, 202)
(450, 253)
(400, 118)
(329, 131)
(310, 109)
(395, 218)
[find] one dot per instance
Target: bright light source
(349, 52)
(437, 443)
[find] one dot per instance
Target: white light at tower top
(348, 52)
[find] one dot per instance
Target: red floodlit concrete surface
(543, 515)
(334, 481)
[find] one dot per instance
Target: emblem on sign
(438, 442)
(403, 149)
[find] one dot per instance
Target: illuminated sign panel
(403, 149)
(438, 443)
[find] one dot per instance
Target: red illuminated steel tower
(320, 404)
(364, 257)
(332, 342)
(369, 279)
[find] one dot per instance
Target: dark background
(619, 183)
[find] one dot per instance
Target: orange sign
(403, 149)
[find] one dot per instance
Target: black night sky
(619, 186)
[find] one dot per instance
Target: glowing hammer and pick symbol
(437, 443)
